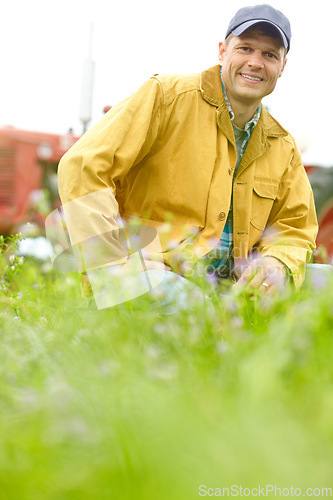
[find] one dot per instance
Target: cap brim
(243, 27)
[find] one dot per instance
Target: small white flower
(237, 322)
(160, 328)
(163, 372)
(153, 352)
(222, 347)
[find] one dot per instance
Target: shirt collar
(251, 123)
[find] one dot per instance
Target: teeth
(252, 78)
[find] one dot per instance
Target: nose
(255, 59)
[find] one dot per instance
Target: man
(200, 159)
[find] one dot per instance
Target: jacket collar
(211, 89)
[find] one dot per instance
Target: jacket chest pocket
(263, 197)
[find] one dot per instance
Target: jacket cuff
(294, 263)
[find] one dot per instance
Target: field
(132, 403)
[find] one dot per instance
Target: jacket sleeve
(292, 226)
(92, 170)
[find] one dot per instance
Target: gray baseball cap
(248, 16)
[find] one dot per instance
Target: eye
(271, 56)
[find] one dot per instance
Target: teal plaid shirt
(221, 260)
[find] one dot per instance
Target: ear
(283, 66)
(222, 49)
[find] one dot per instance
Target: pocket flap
(265, 189)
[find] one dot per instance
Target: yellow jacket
(168, 153)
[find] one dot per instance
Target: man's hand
(266, 274)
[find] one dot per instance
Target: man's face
(251, 64)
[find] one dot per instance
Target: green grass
(129, 403)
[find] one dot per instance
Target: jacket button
(230, 171)
(222, 215)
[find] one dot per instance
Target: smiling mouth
(251, 78)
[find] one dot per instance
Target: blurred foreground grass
(129, 403)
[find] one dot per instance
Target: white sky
(44, 44)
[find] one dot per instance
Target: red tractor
(321, 179)
(28, 175)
